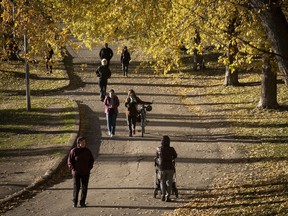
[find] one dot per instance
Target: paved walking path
(121, 181)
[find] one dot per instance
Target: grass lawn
(264, 184)
(51, 119)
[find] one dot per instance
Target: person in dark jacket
(48, 57)
(80, 162)
(131, 104)
(106, 53)
(104, 73)
(111, 103)
(165, 156)
(125, 60)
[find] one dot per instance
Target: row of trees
(241, 29)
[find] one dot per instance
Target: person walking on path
(165, 156)
(104, 73)
(80, 162)
(49, 52)
(125, 60)
(111, 103)
(131, 104)
(106, 53)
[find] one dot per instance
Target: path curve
(121, 181)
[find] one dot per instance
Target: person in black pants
(48, 57)
(125, 60)
(165, 155)
(131, 104)
(80, 162)
(106, 53)
(104, 73)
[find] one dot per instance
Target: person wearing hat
(165, 156)
(111, 103)
(80, 162)
(104, 73)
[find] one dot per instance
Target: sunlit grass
(51, 119)
(263, 188)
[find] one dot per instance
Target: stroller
(157, 187)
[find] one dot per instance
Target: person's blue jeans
(111, 122)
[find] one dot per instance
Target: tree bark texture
(231, 78)
(268, 98)
(275, 24)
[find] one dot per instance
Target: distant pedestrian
(106, 53)
(80, 162)
(49, 52)
(125, 60)
(111, 103)
(104, 73)
(165, 156)
(131, 104)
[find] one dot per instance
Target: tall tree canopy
(158, 27)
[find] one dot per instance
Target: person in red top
(111, 103)
(165, 156)
(80, 162)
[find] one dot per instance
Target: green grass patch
(51, 119)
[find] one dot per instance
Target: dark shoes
(130, 134)
(81, 205)
(166, 199)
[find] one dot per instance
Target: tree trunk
(198, 59)
(231, 77)
(276, 27)
(268, 99)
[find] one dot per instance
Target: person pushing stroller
(165, 159)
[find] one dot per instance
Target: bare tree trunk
(276, 27)
(198, 59)
(231, 78)
(268, 99)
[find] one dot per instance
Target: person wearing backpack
(104, 73)
(125, 60)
